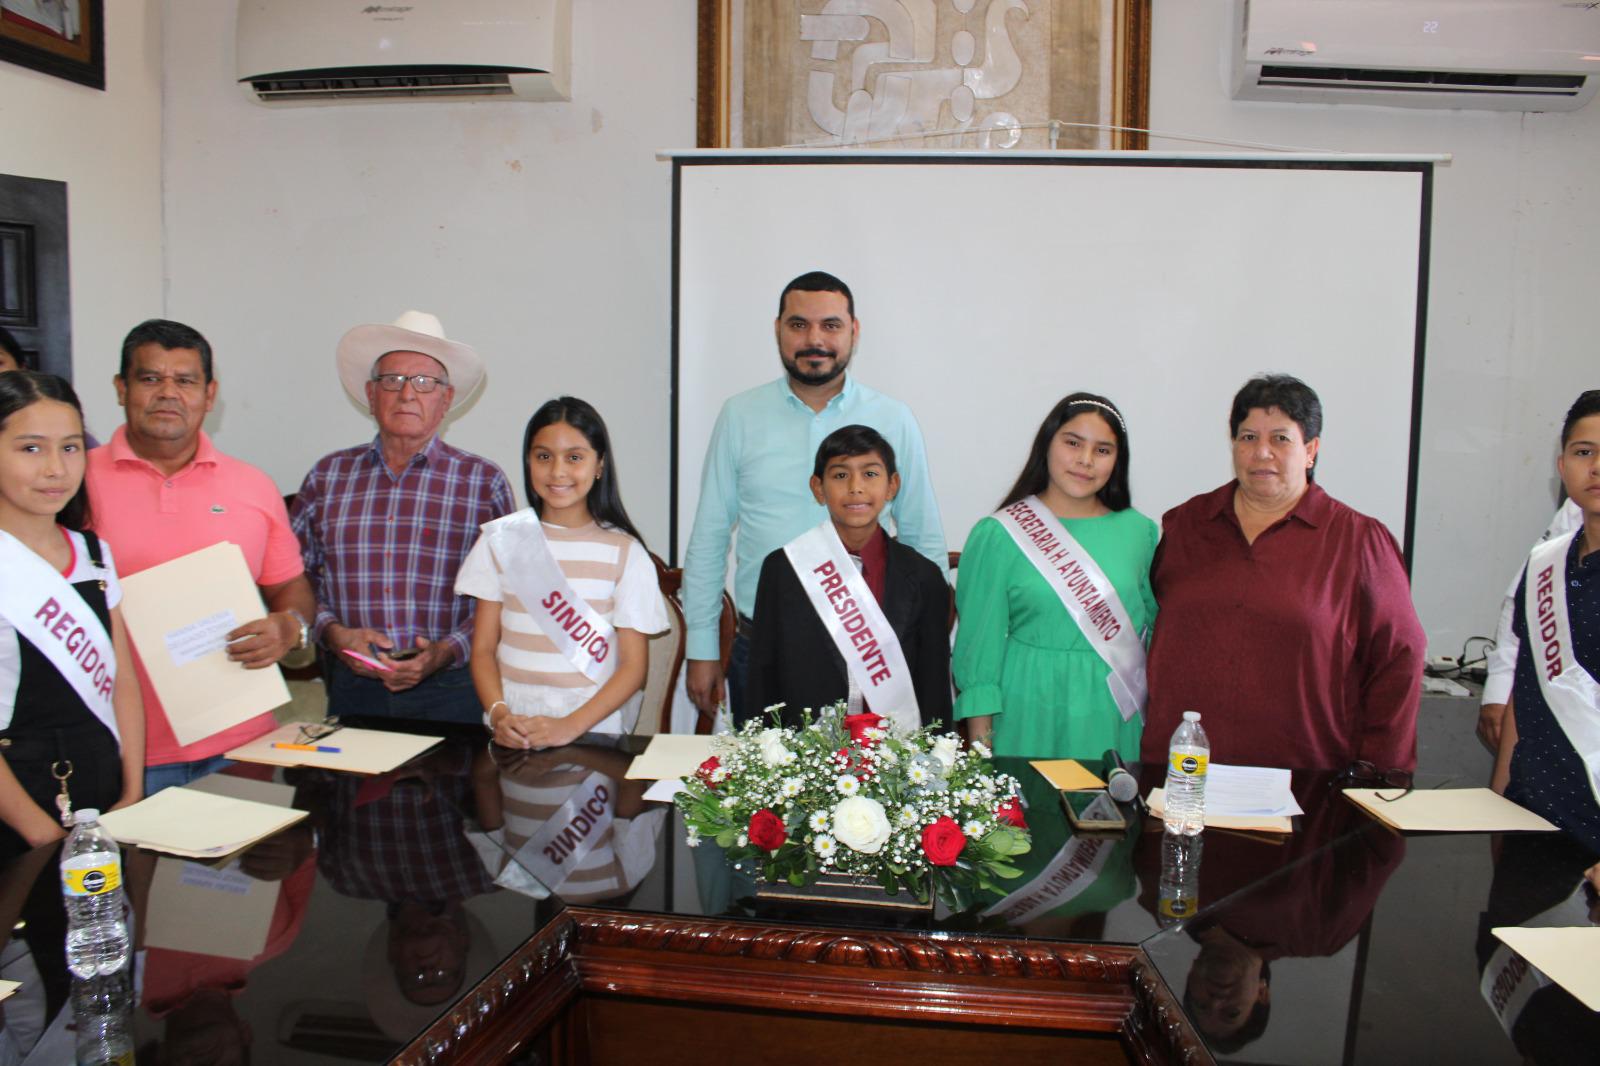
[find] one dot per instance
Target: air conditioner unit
(1500, 55)
(351, 51)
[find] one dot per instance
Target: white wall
(107, 147)
(1510, 343)
(538, 233)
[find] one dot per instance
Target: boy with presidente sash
(1549, 758)
(846, 612)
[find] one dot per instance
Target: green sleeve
(1146, 591)
(983, 607)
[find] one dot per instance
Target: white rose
(773, 753)
(945, 749)
(860, 824)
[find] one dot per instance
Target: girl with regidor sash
(1053, 596)
(1549, 757)
(71, 724)
(566, 592)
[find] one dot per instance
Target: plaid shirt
(382, 550)
(407, 840)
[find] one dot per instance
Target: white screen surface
(988, 289)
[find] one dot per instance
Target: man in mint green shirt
(757, 474)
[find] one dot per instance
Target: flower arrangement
(847, 794)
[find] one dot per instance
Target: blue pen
(307, 747)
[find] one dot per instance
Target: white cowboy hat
(415, 331)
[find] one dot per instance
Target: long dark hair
(1036, 471)
(605, 498)
(24, 388)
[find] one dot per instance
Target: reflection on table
(348, 935)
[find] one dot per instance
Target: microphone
(1122, 785)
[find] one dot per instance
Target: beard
(828, 372)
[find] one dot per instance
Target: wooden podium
(601, 986)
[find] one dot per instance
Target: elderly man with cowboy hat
(385, 525)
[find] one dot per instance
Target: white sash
(583, 638)
(566, 837)
(1507, 983)
(850, 613)
(48, 613)
(1073, 869)
(1568, 689)
(1086, 593)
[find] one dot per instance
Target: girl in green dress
(1028, 680)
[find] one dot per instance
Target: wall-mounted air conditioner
(352, 51)
(1501, 55)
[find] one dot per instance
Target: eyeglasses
(423, 383)
(311, 732)
(1363, 774)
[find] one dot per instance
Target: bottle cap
(1191, 716)
(85, 815)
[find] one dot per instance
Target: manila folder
(177, 614)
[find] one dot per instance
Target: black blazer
(793, 660)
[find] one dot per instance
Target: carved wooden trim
(523, 995)
(972, 980)
(909, 951)
(907, 975)
(1158, 1030)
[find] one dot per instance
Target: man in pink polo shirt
(161, 490)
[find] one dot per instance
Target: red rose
(942, 841)
(858, 724)
(766, 830)
(705, 770)
(1010, 813)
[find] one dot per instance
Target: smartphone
(400, 655)
(1093, 810)
(370, 664)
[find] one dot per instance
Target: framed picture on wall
(65, 38)
(924, 73)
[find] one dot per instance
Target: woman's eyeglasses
(1363, 774)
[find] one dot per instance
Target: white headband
(1105, 407)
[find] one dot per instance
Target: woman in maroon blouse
(1285, 616)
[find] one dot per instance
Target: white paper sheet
(200, 638)
(1249, 790)
(663, 790)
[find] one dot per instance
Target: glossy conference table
(397, 922)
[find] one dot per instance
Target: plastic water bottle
(91, 884)
(1180, 878)
(102, 1017)
(1188, 758)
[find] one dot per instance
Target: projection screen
(989, 286)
